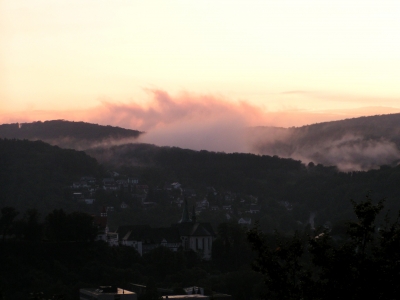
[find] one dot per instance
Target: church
(187, 234)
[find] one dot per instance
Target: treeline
(58, 256)
(58, 226)
(67, 134)
(35, 174)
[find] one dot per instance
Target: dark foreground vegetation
(362, 264)
(59, 256)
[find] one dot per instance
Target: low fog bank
(347, 151)
(82, 144)
(354, 144)
(350, 145)
(215, 136)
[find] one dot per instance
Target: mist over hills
(67, 134)
(352, 144)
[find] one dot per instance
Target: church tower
(194, 215)
(185, 213)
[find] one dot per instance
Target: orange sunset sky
(160, 64)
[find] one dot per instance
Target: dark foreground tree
(365, 263)
(8, 215)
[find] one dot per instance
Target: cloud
(164, 110)
(187, 120)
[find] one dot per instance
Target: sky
(196, 66)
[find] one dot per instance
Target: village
(123, 193)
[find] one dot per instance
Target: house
(189, 193)
(89, 179)
(254, 209)
(133, 180)
(78, 197)
(122, 183)
(89, 201)
(106, 293)
(144, 188)
(149, 204)
(227, 207)
(109, 184)
(144, 238)
(175, 185)
(108, 181)
(192, 292)
(110, 187)
(112, 238)
(181, 297)
(244, 221)
(202, 205)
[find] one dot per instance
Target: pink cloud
(164, 110)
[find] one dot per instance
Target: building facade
(106, 293)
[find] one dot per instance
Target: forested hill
(308, 188)
(35, 174)
(66, 134)
(351, 144)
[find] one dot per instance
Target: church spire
(194, 215)
(185, 213)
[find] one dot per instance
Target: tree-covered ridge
(288, 192)
(35, 174)
(352, 144)
(78, 135)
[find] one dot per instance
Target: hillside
(66, 134)
(352, 144)
(275, 181)
(35, 174)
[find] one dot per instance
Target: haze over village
(199, 149)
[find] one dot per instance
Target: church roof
(149, 235)
(194, 229)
